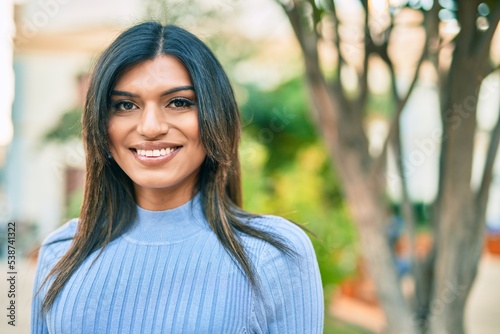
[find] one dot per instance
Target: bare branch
(395, 139)
(482, 193)
(308, 41)
(466, 17)
(401, 102)
(379, 163)
(481, 43)
(407, 209)
(336, 25)
(316, 16)
(307, 38)
(363, 80)
(336, 85)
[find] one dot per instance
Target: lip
(155, 161)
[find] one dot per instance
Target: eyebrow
(167, 92)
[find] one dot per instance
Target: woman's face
(154, 132)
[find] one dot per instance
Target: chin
(165, 184)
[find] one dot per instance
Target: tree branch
(482, 193)
(466, 13)
(308, 40)
(379, 163)
(434, 40)
(407, 211)
(316, 16)
(363, 79)
(336, 85)
(482, 40)
(340, 58)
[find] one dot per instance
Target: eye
(180, 103)
(123, 106)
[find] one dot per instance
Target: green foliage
(286, 172)
(69, 127)
(380, 104)
(74, 204)
(279, 119)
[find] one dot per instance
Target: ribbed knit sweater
(169, 274)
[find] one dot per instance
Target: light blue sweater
(170, 274)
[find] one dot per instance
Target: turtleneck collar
(169, 226)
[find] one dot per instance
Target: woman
(162, 244)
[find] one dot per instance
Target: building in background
(56, 41)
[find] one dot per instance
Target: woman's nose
(153, 122)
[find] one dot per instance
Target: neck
(168, 226)
(159, 199)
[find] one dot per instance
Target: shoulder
(289, 297)
(291, 234)
(57, 242)
(63, 233)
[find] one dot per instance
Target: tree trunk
(459, 220)
(365, 200)
(371, 218)
(446, 276)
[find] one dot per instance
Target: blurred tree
(286, 172)
(68, 127)
(461, 60)
(68, 131)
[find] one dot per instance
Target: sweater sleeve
(291, 298)
(38, 325)
(53, 247)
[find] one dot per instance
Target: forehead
(162, 72)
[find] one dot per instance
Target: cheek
(191, 129)
(116, 132)
(193, 133)
(112, 134)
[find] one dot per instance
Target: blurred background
(378, 59)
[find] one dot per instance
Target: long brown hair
(108, 206)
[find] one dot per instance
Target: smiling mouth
(156, 153)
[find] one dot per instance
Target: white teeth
(156, 153)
